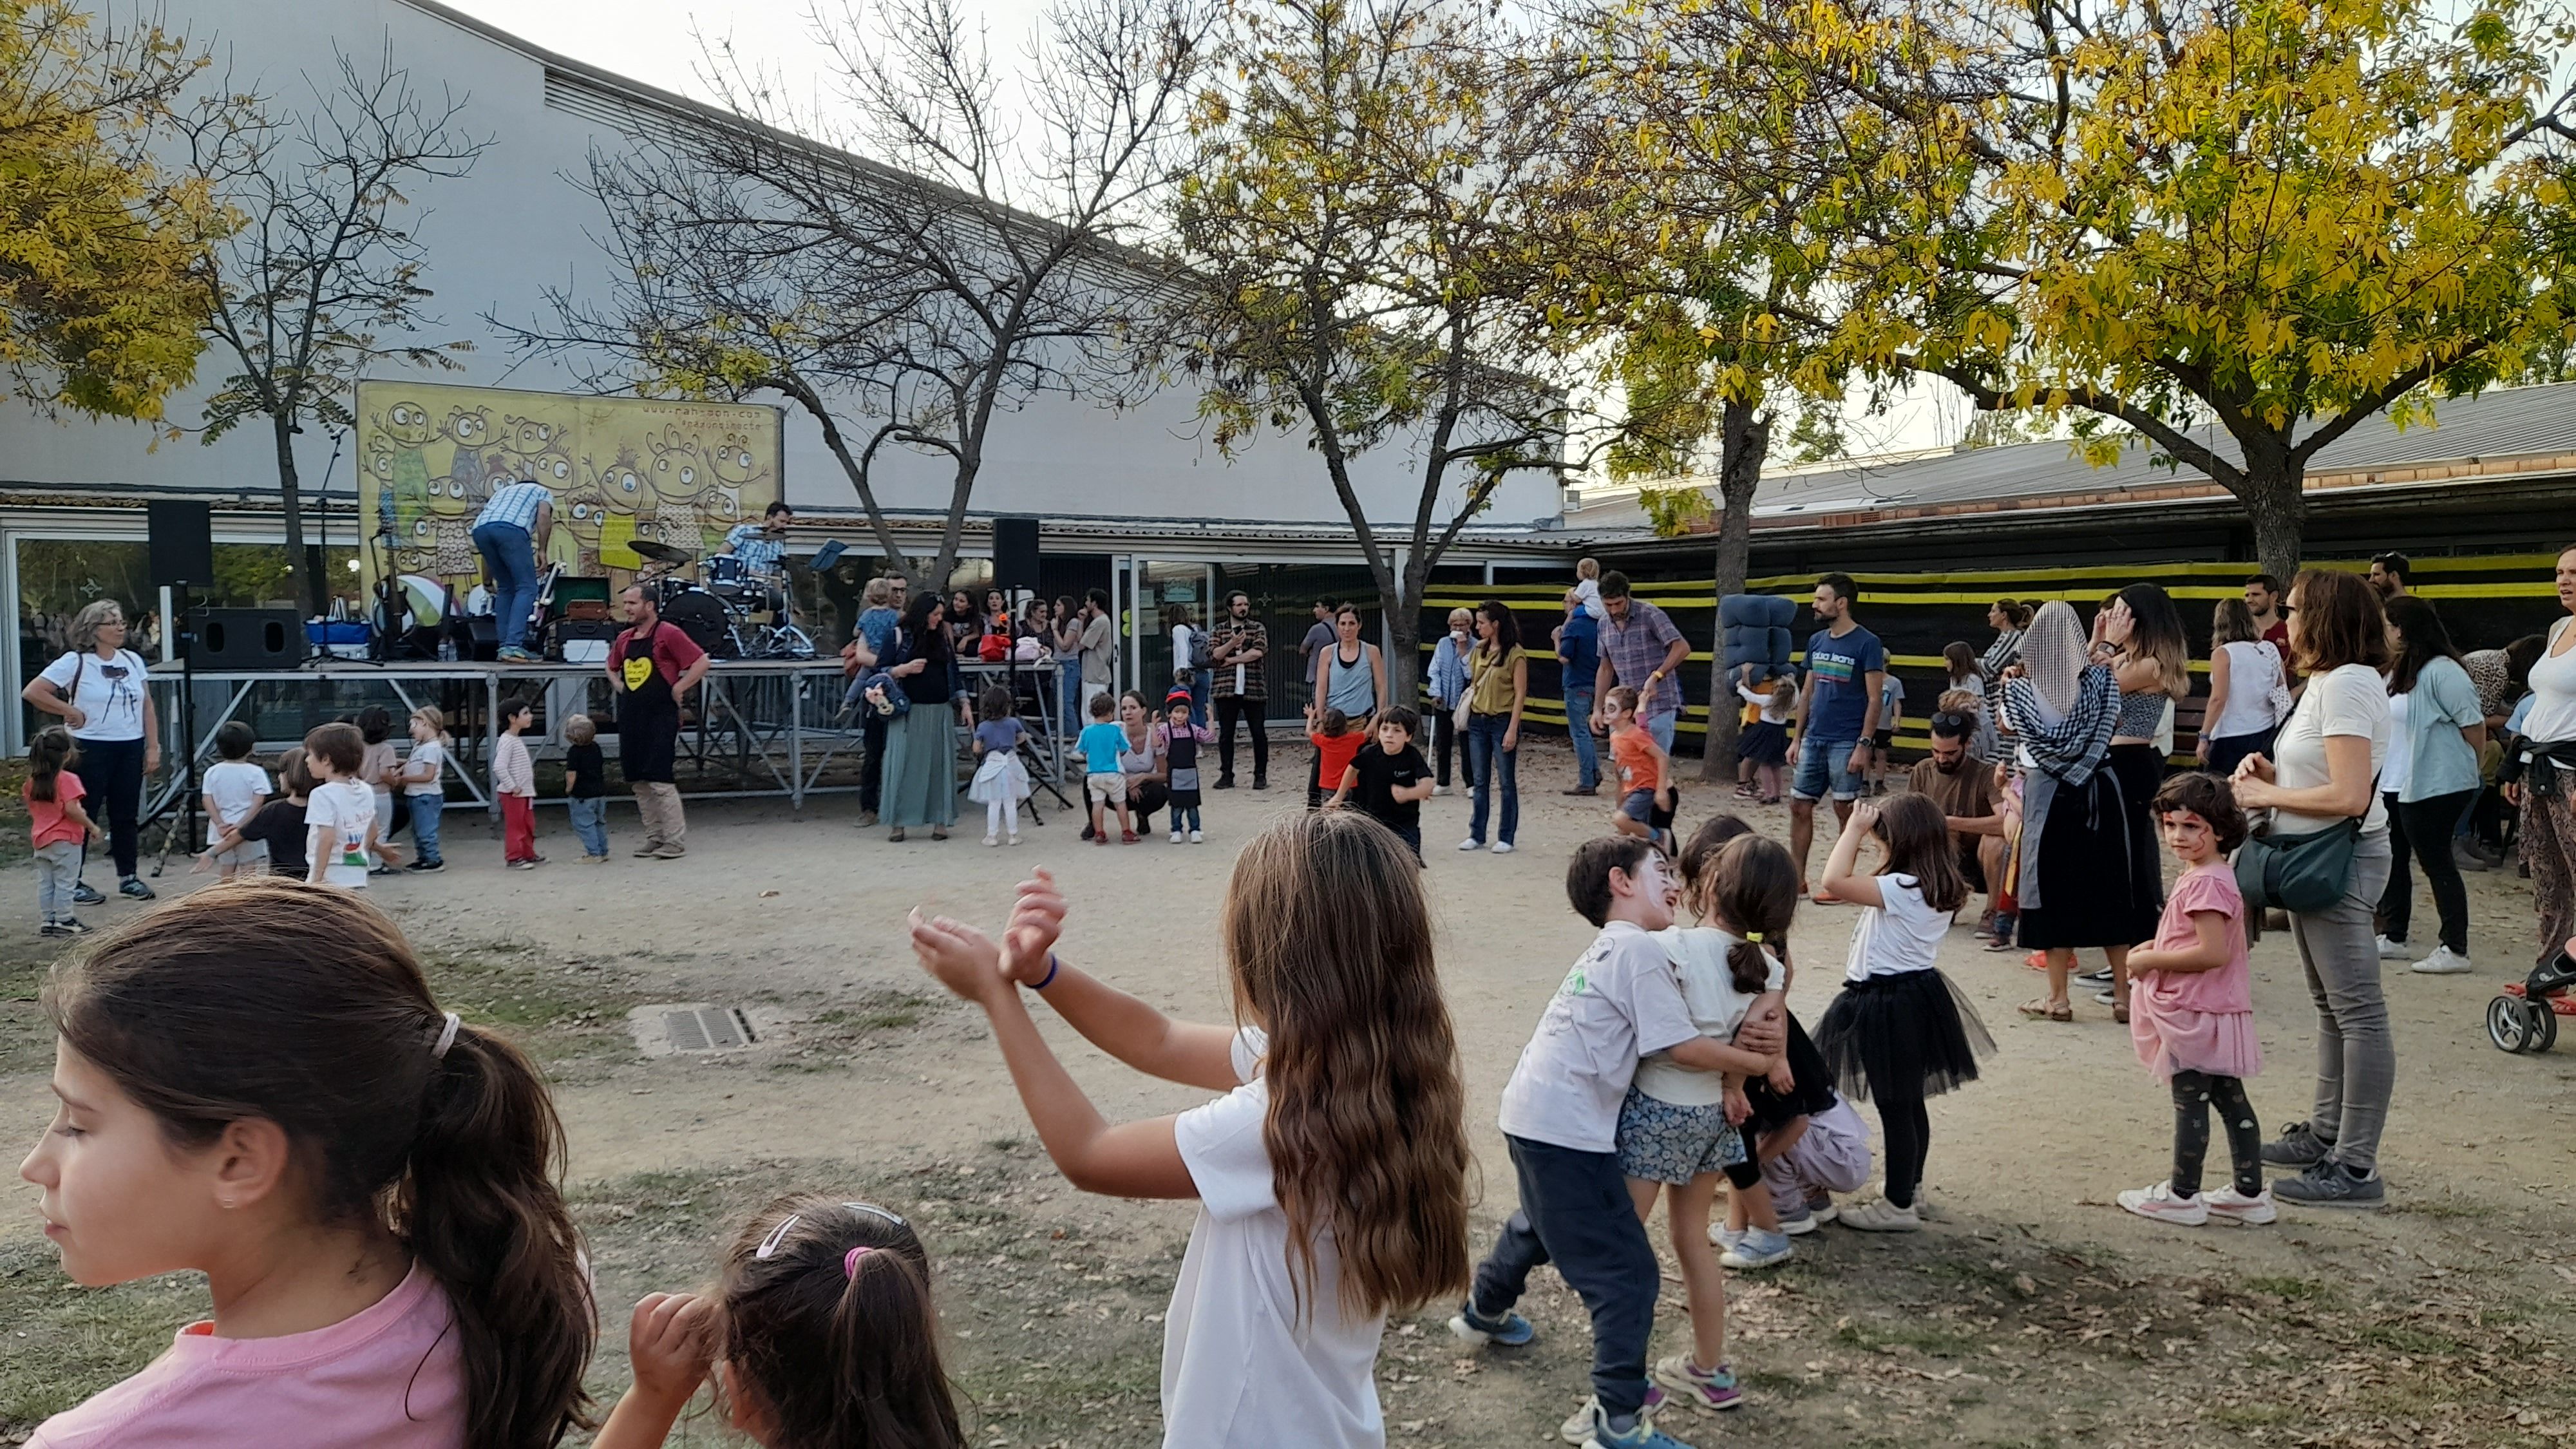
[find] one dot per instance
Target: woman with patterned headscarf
(2079, 877)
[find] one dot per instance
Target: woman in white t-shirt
(1899, 1031)
(1332, 1177)
(2547, 758)
(2324, 770)
(1187, 647)
(2244, 673)
(100, 691)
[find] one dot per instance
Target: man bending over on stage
(511, 533)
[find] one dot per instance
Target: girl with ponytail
(255, 1083)
(1678, 1129)
(824, 1330)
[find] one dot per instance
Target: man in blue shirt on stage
(761, 545)
(511, 533)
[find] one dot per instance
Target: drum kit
(740, 614)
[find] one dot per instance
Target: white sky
(659, 42)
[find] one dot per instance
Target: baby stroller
(2525, 1017)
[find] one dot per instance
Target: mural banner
(621, 469)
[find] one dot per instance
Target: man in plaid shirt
(511, 533)
(1641, 649)
(1236, 646)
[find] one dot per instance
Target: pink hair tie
(850, 1263)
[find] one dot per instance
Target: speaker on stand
(1015, 553)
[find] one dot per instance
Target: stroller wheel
(2514, 1026)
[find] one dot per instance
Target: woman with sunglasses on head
(99, 691)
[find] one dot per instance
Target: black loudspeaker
(247, 639)
(1015, 553)
(484, 639)
(183, 542)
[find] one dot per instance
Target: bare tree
(322, 280)
(975, 260)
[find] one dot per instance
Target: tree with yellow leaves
(2267, 219)
(101, 288)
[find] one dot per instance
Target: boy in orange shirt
(1646, 802)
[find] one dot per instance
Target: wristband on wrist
(1042, 981)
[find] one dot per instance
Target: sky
(660, 43)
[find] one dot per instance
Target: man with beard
(1964, 787)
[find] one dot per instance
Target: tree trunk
(300, 584)
(2276, 502)
(1745, 441)
(1404, 652)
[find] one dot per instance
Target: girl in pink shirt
(2191, 1011)
(255, 1084)
(824, 1327)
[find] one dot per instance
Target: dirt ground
(2031, 1312)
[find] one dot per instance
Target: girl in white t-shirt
(1677, 1128)
(1899, 1031)
(1332, 1177)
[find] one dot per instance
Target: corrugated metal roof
(2507, 422)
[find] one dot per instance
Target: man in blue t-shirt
(1578, 656)
(1837, 709)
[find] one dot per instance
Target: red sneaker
(1125, 837)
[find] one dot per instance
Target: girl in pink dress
(2191, 1011)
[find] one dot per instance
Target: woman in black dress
(2077, 870)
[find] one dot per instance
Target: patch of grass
(2297, 1290)
(1887, 1337)
(889, 1011)
(2411, 1339)
(67, 1342)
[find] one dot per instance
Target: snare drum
(722, 569)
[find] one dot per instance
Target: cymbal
(662, 552)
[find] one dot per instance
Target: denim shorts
(1825, 766)
(1671, 1143)
(1638, 805)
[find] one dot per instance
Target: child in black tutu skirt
(1899, 1031)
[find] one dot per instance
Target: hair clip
(769, 1245)
(446, 1037)
(1753, 938)
(850, 1260)
(872, 1210)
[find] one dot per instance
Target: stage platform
(758, 727)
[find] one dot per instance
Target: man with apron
(653, 669)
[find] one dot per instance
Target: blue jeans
(1487, 757)
(424, 824)
(1201, 681)
(1569, 1217)
(510, 557)
(1587, 750)
(1660, 727)
(590, 822)
(1825, 766)
(1069, 720)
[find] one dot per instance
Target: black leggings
(112, 772)
(1908, 1130)
(1233, 710)
(1444, 740)
(2424, 830)
(2194, 1093)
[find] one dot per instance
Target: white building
(1141, 496)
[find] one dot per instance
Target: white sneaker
(2227, 1205)
(1439, 789)
(1176, 837)
(992, 840)
(1471, 843)
(1758, 1250)
(2394, 950)
(1722, 1236)
(1502, 847)
(1015, 840)
(1878, 1215)
(1198, 837)
(2443, 962)
(2158, 1202)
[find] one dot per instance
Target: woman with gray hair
(99, 690)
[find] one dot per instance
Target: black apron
(648, 715)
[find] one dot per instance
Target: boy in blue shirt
(1101, 743)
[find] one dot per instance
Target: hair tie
(446, 1037)
(1753, 938)
(850, 1261)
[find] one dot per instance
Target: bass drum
(701, 616)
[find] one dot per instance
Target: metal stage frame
(784, 719)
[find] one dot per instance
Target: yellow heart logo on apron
(638, 669)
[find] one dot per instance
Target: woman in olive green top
(1497, 687)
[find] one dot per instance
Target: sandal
(2120, 1012)
(895, 836)
(2043, 1009)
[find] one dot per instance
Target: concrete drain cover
(689, 1028)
